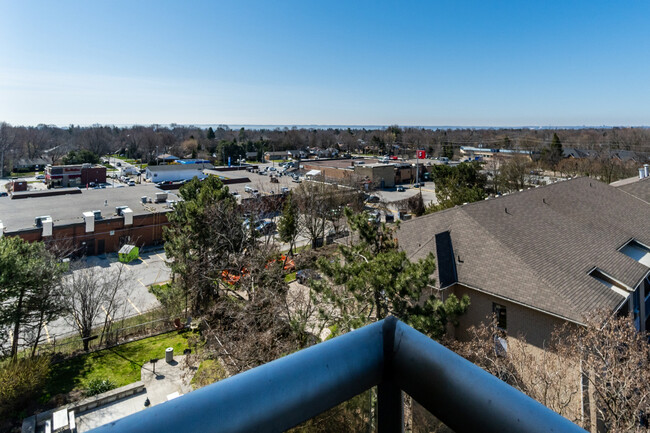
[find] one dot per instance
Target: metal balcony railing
(389, 354)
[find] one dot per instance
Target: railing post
(390, 404)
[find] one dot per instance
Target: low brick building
(74, 175)
(91, 221)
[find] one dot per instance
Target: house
(541, 257)
(166, 158)
(176, 172)
(275, 156)
(27, 164)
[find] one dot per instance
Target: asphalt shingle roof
(639, 189)
(537, 247)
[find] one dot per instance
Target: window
(638, 252)
(500, 312)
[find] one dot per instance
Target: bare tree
(607, 361)
(93, 299)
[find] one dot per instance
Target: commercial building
(487, 153)
(89, 222)
(74, 175)
(176, 172)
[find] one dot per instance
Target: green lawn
(108, 364)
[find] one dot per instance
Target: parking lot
(134, 295)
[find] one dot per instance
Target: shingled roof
(640, 188)
(538, 246)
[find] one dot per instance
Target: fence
(395, 357)
(127, 329)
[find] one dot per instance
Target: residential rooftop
(537, 247)
(19, 214)
(639, 188)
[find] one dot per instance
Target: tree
(513, 172)
(288, 225)
(606, 362)
(554, 153)
(91, 299)
(373, 278)
(210, 135)
(7, 136)
(456, 185)
(204, 238)
(81, 157)
(27, 274)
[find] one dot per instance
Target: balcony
(387, 354)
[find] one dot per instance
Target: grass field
(121, 364)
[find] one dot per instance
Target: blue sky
(464, 63)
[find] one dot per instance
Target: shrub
(20, 382)
(98, 386)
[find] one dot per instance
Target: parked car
(296, 180)
(373, 199)
(119, 164)
(400, 188)
(40, 176)
(265, 227)
(4, 194)
(304, 275)
(131, 183)
(274, 180)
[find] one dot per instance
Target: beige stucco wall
(534, 325)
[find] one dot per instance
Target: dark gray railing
(395, 357)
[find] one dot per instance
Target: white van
(248, 188)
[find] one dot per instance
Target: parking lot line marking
(133, 305)
(143, 285)
(106, 312)
(47, 333)
(160, 257)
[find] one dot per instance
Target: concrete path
(170, 378)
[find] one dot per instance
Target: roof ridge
(516, 257)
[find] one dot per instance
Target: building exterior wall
(328, 172)
(404, 174)
(74, 175)
(93, 174)
(18, 185)
(184, 172)
(109, 234)
(534, 325)
(382, 176)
